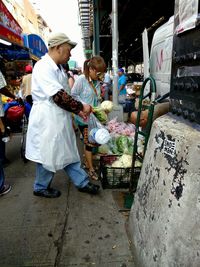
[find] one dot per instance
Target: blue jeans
(2, 156)
(44, 177)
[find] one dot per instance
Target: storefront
(12, 49)
(16, 49)
(10, 30)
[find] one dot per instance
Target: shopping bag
(97, 133)
(15, 113)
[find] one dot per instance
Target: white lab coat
(51, 139)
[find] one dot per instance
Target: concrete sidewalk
(74, 230)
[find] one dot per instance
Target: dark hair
(96, 62)
(65, 67)
(75, 71)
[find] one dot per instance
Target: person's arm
(160, 109)
(6, 92)
(66, 102)
(71, 82)
(2, 127)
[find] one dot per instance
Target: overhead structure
(86, 22)
(134, 17)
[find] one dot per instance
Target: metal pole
(96, 27)
(115, 50)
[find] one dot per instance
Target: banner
(10, 30)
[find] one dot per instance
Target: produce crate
(112, 177)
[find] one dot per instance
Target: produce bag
(100, 114)
(97, 133)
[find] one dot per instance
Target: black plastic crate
(112, 177)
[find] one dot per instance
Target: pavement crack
(60, 240)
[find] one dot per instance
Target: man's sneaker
(6, 189)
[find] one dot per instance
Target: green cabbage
(100, 114)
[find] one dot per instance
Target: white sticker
(169, 147)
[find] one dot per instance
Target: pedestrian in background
(25, 87)
(4, 91)
(87, 89)
(107, 83)
(4, 188)
(51, 141)
(75, 74)
(70, 76)
(121, 86)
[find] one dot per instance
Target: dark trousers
(2, 157)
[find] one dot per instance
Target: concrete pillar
(164, 222)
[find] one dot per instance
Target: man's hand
(85, 112)
(87, 109)
(83, 115)
(19, 100)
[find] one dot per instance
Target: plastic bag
(97, 133)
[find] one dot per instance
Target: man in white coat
(51, 141)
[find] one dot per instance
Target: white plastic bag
(97, 133)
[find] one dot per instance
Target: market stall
(115, 154)
(12, 49)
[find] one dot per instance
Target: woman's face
(96, 75)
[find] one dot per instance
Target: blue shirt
(83, 91)
(122, 81)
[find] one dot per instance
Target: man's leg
(2, 177)
(80, 178)
(42, 183)
(43, 177)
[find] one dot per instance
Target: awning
(14, 52)
(36, 45)
(22, 47)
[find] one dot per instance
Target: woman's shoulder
(81, 77)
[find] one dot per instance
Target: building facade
(28, 18)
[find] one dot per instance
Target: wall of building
(28, 18)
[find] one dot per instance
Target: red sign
(10, 30)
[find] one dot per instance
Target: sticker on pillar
(169, 147)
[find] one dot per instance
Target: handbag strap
(93, 87)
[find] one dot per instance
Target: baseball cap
(121, 70)
(28, 68)
(59, 38)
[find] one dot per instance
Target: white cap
(59, 38)
(102, 136)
